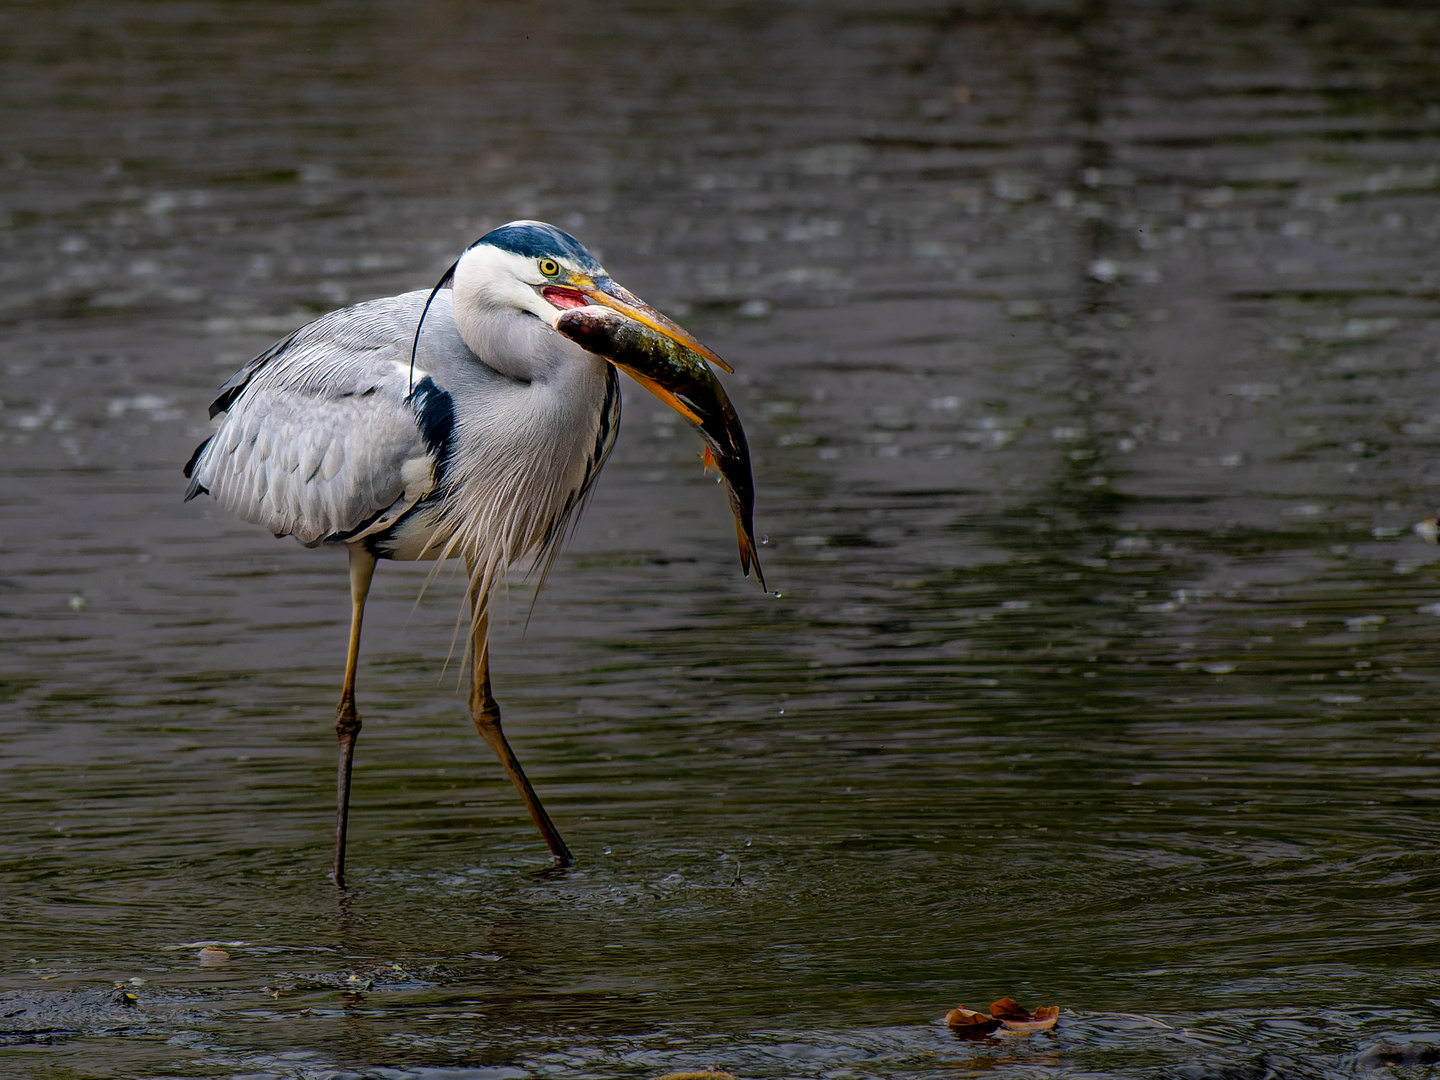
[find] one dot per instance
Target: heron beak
(667, 365)
(607, 293)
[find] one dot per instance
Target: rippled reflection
(1087, 352)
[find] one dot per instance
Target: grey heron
(466, 421)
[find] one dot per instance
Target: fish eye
(549, 267)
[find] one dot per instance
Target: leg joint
(347, 720)
(486, 716)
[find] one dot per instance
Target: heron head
(529, 267)
(533, 267)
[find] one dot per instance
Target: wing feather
(319, 437)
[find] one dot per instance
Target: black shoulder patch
(435, 417)
(535, 238)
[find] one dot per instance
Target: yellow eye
(549, 267)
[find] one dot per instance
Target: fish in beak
(672, 365)
(579, 290)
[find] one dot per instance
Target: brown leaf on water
(712, 1073)
(1016, 1017)
(965, 1021)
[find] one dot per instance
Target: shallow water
(1088, 355)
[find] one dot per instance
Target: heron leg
(347, 720)
(485, 713)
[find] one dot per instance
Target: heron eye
(549, 267)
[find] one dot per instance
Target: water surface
(1088, 353)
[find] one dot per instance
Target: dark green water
(1090, 354)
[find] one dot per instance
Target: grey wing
(320, 437)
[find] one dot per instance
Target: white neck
(502, 318)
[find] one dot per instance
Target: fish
(684, 380)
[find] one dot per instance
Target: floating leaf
(1016, 1017)
(965, 1021)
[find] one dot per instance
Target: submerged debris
(124, 996)
(1385, 1054)
(383, 977)
(205, 945)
